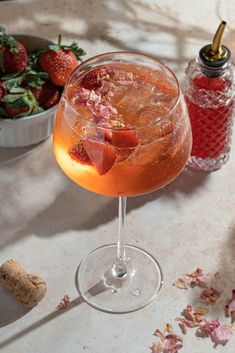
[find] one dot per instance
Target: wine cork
(28, 289)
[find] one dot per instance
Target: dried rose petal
(193, 279)
(191, 318)
(207, 328)
(230, 307)
(64, 302)
(184, 324)
(159, 334)
(222, 334)
(209, 296)
(170, 342)
(157, 348)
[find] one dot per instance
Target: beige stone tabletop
(49, 224)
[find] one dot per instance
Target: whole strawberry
(59, 61)
(2, 90)
(20, 102)
(13, 54)
(47, 95)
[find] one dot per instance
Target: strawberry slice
(92, 80)
(101, 154)
(104, 131)
(78, 153)
(124, 139)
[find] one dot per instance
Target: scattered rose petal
(230, 307)
(207, 328)
(169, 341)
(157, 347)
(193, 279)
(222, 334)
(191, 318)
(64, 302)
(209, 296)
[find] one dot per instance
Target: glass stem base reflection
(102, 286)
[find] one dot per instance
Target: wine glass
(121, 129)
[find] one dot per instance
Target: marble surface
(49, 224)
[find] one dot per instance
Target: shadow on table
(53, 315)
(86, 210)
(101, 18)
(7, 154)
(10, 309)
(18, 312)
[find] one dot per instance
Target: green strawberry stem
(7, 40)
(73, 47)
(59, 40)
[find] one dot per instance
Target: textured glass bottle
(210, 95)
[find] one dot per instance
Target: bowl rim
(31, 36)
(38, 115)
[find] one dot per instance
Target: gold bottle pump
(216, 55)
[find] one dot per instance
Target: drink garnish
(124, 139)
(78, 153)
(125, 143)
(101, 154)
(93, 79)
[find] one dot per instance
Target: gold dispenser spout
(216, 44)
(216, 55)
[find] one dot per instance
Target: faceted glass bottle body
(209, 94)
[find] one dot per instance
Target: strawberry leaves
(3, 113)
(34, 58)
(8, 40)
(19, 98)
(28, 76)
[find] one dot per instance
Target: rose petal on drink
(92, 80)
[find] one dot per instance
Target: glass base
(100, 286)
(208, 164)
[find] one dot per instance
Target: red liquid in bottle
(211, 121)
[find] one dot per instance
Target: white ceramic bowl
(33, 128)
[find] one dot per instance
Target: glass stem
(120, 267)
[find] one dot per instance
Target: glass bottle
(210, 95)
